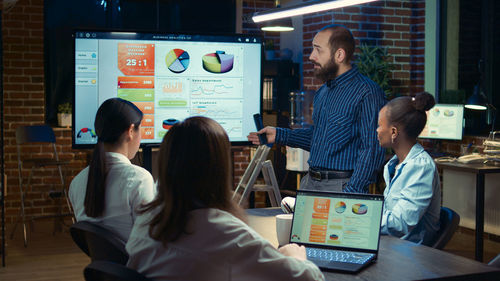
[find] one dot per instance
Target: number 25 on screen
(137, 62)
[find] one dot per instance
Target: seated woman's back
(111, 188)
(193, 230)
(127, 187)
(217, 246)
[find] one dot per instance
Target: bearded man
(344, 151)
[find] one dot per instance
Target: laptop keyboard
(338, 256)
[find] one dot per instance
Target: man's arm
(371, 155)
(300, 138)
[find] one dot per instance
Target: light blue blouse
(412, 197)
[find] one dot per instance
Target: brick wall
(397, 25)
(24, 98)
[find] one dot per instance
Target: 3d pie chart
(359, 209)
(340, 207)
(448, 113)
(177, 60)
(167, 124)
(334, 237)
(218, 62)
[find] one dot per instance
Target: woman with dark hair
(193, 230)
(412, 193)
(111, 188)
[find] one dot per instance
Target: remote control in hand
(257, 118)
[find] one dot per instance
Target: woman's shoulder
(221, 222)
(138, 170)
(81, 178)
(422, 162)
(134, 174)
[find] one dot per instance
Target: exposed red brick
(403, 12)
(402, 27)
(387, 11)
(401, 43)
(342, 17)
(394, 19)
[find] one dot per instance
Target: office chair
(449, 221)
(26, 137)
(110, 271)
(99, 242)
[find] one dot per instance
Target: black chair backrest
(37, 133)
(449, 221)
(110, 271)
(98, 242)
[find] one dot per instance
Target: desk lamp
(478, 101)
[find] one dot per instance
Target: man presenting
(343, 145)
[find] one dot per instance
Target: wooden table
(480, 170)
(397, 260)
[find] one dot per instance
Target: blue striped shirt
(343, 135)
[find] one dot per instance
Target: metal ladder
(247, 181)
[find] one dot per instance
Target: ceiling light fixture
(278, 25)
(304, 8)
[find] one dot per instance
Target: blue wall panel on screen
(169, 77)
(444, 121)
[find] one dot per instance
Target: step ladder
(247, 181)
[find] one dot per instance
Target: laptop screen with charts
(341, 231)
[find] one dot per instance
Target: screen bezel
(444, 138)
(175, 34)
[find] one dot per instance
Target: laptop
(341, 231)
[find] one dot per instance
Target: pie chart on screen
(340, 207)
(218, 62)
(177, 60)
(359, 209)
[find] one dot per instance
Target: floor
(48, 256)
(56, 257)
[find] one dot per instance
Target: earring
(392, 139)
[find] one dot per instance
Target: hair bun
(424, 101)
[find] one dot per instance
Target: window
(469, 56)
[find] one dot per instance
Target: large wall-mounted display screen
(444, 121)
(169, 77)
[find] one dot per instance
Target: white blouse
(219, 247)
(127, 187)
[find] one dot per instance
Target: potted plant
(269, 49)
(64, 111)
(375, 63)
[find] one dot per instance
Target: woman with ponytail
(111, 188)
(412, 193)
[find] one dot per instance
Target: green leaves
(375, 63)
(65, 108)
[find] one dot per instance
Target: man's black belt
(325, 174)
